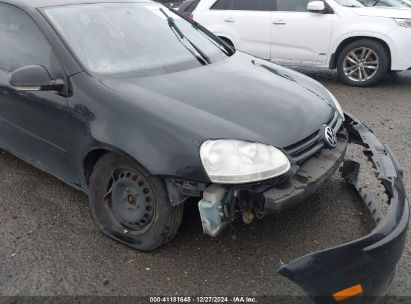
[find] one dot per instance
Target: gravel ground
(50, 246)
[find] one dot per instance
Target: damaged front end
(366, 266)
(312, 162)
(363, 267)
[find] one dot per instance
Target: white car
(362, 43)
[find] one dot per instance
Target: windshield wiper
(218, 44)
(203, 58)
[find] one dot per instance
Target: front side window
(131, 38)
(292, 5)
(244, 5)
(22, 42)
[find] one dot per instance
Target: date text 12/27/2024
(193, 300)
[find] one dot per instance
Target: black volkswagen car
(95, 93)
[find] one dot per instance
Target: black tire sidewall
(159, 232)
(378, 48)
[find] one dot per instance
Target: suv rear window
(244, 5)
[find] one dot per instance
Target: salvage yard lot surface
(50, 246)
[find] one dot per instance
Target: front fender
(101, 119)
(336, 47)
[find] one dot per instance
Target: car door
(33, 125)
(300, 37)
(246, 23)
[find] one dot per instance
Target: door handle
(229, 20)
(280, 22)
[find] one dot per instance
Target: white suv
(363, 43)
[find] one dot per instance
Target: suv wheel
(131, 208)
(363, 63)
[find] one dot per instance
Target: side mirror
(316, 6)
(34, 78)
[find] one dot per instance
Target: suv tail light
(191, 17)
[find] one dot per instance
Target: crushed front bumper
(309, 178)
(364, 267)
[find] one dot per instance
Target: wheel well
(90, 161)
(334, 57)
(93, 156)
(226, 40)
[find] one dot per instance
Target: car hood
(241, 97)
(383, 12)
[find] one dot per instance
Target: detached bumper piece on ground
(362, 270)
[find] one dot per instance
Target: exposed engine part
(248, 217)
(215, 209)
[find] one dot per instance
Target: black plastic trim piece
(372, 260)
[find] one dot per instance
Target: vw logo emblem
(329, 137)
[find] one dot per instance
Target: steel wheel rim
(361, 64)
(131, 201)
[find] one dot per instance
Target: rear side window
(222, 5)
(292, 5)
(244, 5)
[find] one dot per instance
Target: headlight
(237, 161)
(338, 106)
(404, 22)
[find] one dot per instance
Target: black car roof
(46, 3)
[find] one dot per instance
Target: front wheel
(130, 207)
(363, 63)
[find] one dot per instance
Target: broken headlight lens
(236, 161)
(404, 22)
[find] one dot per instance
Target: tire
(365, 55)
(131, 208)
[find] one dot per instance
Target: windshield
(136, 38)
(350, 3)
(387, 3)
